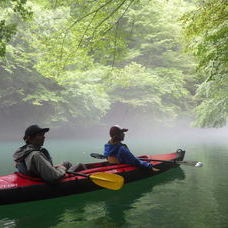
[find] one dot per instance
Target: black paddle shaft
(78, 174)
(189, 163)
(100, 156)
(167, 161)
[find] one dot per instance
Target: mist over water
(183, 197)
(156, 78)
(140, 128)
(66, 143)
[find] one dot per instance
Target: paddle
(105, 180)
(189, 163)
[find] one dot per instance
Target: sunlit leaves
(206, 34)
(9, 12)
(158, 91)
(74, 60)
(156, 70)
(6, 32)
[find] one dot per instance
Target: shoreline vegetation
(82, 65)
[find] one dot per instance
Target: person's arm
(45, 169)
(125, 156)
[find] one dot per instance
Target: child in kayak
(117, 152)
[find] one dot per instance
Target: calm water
(181, 197)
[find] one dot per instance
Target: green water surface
(180, 197)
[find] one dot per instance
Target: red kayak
(17, 187)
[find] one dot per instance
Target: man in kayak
(34, 160)
(117, 152)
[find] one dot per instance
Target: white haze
(140, 129)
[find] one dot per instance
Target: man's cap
(116, 130)
(34, 129)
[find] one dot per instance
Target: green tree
(206, 36)
(11, 12)
(78, 60)
(31, 80)
(156, 77)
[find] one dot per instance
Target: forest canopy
(206, 37)
(91, 61)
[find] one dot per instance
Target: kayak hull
(16, 187)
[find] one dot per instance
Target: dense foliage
(86, 61)
(11, 12)
(206, 35)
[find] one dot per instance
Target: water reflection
(96, 209)
(198, 200)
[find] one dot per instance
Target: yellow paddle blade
(108, 180)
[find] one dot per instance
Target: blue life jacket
(123, 155)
